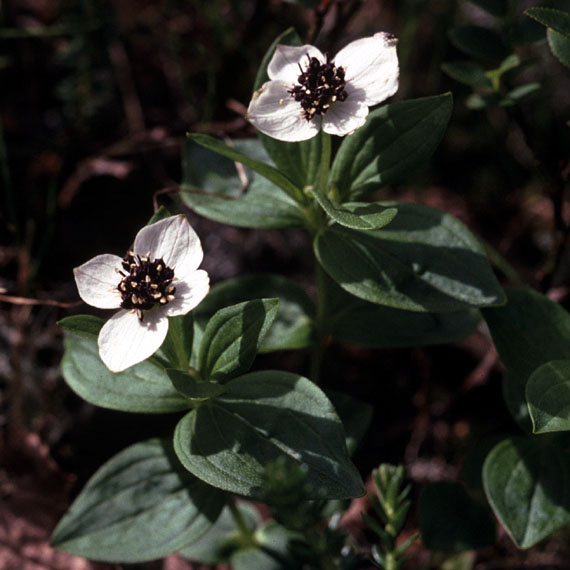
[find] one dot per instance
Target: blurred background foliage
(95, 99)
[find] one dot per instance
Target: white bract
(307, 92)
(158, 279)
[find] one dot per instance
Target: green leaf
(528, 331)
(451, 521)
(194, 390)
(254, 557)
(232, 338)
(548, 396)
(161, 214)
(511, 62)
(478, 42)
(528, 486)
(86, 326)
(424, 261)
(138, 506)
(293, 325)
(213, 187)
(394, 140)
(476, 101)
(520, 93)
(498, 8)
(355, 321)
(362, 324)
(215, 174)
(357, 215)
(458, 561)
(559, 46)
(299, 161)
(272, 550)
(267, 171)
(228, 441)
(556, 20)
(468, 73)
(223, 538)
(144, 388)
(177, 346)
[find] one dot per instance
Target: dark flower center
(319, 86)
(145, 283)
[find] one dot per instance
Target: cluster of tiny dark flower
(145, 283)
(319, 86)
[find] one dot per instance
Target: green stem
(324, 167)
(391, 561)
(321, 324)
(318, 220)
(181, 359)
(245, 531)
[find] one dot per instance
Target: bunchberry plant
(387, 274)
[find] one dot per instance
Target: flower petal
(97, 281)
(344, 118)
(189, 293)
(174, 240)
(273, 111)
(284, 65)
(371, 65)
(124, 340)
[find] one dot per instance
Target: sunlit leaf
(232, 338)
(559, 46)
(263, 416)
(528, 331)
(143, 388)
(528, 486)
(424, 260)
(556, 20)
(217, 188)
(548, 396)
(395, 139)
(360, 322)
(357, 215)
(293, 326)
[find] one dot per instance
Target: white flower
(306, 92)
(159, 278)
